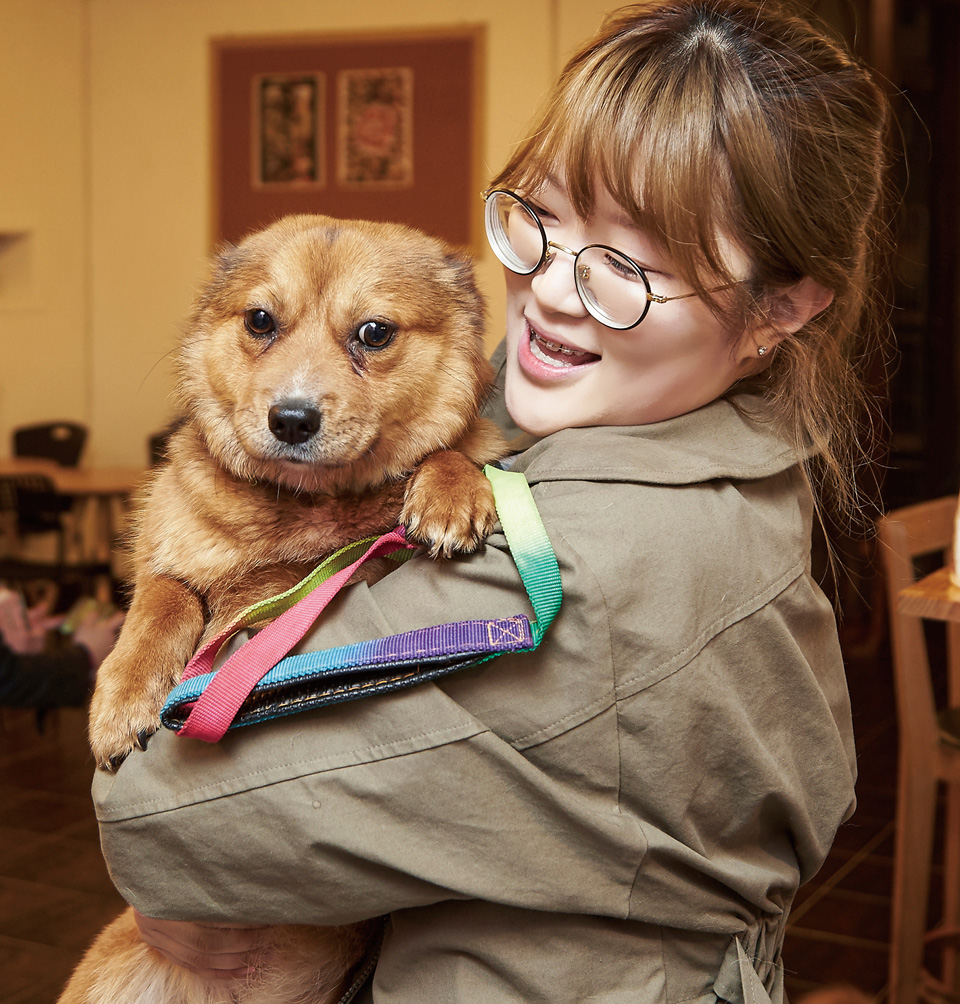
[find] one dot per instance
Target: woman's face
(566, 369)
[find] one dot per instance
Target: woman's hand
(216, 952)
(98, 635)
(25, 631)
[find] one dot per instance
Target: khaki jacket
(608, 819)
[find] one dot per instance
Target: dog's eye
(259, 322)
(376, 334)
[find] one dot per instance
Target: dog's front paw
(448, 505)
(118, 727)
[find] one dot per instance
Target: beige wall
(45, 337)
(104, 165)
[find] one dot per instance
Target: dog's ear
(226, 260)
(463, 284)
(224, 266)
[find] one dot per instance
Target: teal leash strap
(529, 545)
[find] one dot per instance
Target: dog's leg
(158, 637)
(483, 442)
(449, 503)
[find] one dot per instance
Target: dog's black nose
(294, 422)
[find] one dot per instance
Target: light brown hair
(707, 119)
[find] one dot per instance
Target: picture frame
(378, 126)
(287, 135)
(375, 127)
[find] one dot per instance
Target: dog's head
(331, 355)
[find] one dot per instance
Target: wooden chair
(30, 507)
(37, 509)
(929, 754)
(59, 441)
(157, 443)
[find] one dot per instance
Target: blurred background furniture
(928, 717)
(31, 509)
(158, 442)
(157, 448)
(35, 508)
(62, 442)
(81, 510)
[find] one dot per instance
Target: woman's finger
(217, 952)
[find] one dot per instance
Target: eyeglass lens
(611, 287)
(515, 233)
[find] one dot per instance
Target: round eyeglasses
(612, 286)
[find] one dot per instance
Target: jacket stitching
(342, 759)
(700, 473)
(749, 606)
(601, 704)
(654, 674)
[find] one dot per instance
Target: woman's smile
(566, 369)
(546, 358)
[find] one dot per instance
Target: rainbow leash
(260, 681)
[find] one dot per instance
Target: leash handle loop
(259, 668)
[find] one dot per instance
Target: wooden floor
(55, 893)
(54, 890)
(838, 929)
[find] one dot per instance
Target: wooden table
(79, 481)
(934, 597)
(101, 495)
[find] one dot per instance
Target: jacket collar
(728, 438)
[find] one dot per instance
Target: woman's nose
(554, 285)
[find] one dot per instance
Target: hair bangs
(724, 126)
(643, 126)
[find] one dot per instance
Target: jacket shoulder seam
(654, 674)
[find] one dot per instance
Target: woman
(625, 815)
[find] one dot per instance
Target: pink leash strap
(219, 703)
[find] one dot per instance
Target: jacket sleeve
(675, 751)
(378, 804)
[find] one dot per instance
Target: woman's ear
(789, 310)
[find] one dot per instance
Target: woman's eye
(544, 214)
(259, 322)
(621, 267)
(376, 334)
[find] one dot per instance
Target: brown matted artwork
(375, 127)
(288, 140)
(372, 126)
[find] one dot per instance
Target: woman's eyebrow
(624, 219)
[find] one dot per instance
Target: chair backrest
(157, 443)
(59, 441)
(906, 534)
(34, 500)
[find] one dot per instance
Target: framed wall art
(288, 140)
(373, 126)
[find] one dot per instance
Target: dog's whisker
(156, 363)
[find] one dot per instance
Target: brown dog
(331, 378)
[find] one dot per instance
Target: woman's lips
(545, 359)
